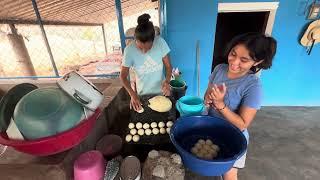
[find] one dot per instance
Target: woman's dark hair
(260, 46)
(144, 32)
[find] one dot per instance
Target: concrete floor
(284, 145)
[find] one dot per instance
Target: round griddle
(149, 116)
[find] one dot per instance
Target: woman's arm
(124, 79)
(242, 120)
(207, 99)
(167, 65)
(165, 84)
(135, 102)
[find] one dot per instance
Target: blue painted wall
(293, 79)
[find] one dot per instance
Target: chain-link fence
(76, 35)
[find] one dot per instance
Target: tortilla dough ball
(147, 132)
(168, 130)
(153, 125)
(201, 141)
(160, 104)
(128, 138)
(139, 125)
(211, 151)
(133, 131)
(146, 126)
(162, 130)
(141, 132)
(194, 150)
(200, 155)
(206, 147)
(208, 156)
(203, 151)
(209, 142)
(136, 138)
(213, 146)
(161, 124)
(214, 154)
(169, 124)
(198, 145)
(141, 110)
(155, 131)
(131, 125)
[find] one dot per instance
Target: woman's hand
(165, 87)
(208, 99)
(135, 102)
(217, 94)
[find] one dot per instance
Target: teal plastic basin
(190, 105)
(46, 112)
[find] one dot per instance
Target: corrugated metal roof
(74, 11)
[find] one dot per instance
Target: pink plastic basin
(89, 166)
(53, 144)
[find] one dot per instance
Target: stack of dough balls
(160, 104)
(205, 149)
(139, 129)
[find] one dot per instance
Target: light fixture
(314, 11)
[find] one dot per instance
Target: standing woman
(234, 92)
(147, 55)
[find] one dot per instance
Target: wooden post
(25, 66)
(44, 36)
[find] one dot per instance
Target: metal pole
(104, 39)
(163, 18)
(114, 75)
(56, 23)
(36, 10)
(120, 24)
(198, 67)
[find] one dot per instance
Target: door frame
(252, 7)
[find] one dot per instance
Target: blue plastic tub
(190, 106)
(187, 130)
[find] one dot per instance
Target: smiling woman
(234, 92)
(252, 50)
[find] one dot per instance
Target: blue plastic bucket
(190, 105)
(186, 131)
